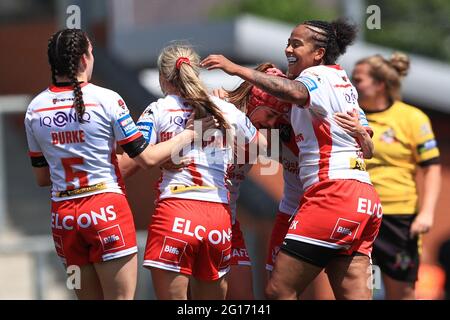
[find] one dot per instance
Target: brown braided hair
(333, 36)
(65, 49)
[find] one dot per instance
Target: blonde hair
(185, 78)
(240, 96)
(390, 72)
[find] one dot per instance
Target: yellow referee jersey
(403, 139)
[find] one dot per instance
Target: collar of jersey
(65, 86)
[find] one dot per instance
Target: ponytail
(179, 64)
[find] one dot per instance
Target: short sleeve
(363, 121)
(33, 145)
(34, 149)
(315, 87)
(125, 130)
(423, 140)
(146, 124)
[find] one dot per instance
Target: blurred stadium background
(128, 35)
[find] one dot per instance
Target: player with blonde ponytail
(189, 237)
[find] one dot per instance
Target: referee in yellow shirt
(404, 144)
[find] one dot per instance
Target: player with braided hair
(265, 111)
(65, 50)
(340, 213)
(72, 129)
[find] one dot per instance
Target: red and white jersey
(80, 155)
(236, 175)
(205, 177)
(326, 151)
(292, 186)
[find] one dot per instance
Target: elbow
(299, 98)
(368, 154)
(146, 161)
(150, 164)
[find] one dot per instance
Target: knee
(278, 291)
(272, 291)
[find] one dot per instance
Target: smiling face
(301, 51)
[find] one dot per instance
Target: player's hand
(169, 165)
(220, 93)
(196, 127)
(349, 122)
(218, 61)
(421, 224)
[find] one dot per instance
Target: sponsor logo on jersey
(350, 97)
(225, 259)
(177, 120)
(111, 238)
(55, 100)
(425, 129)
(61, 119)
(122, 104)
(426, 146)
(345, 231)
(83, 220)
(240, 253)
(403, 261)
(172, 249)
(366, 206)
(389, 136)
(184, 226)
(299, 138)
(358, 164)
(127, 125)
(309, 83)
(146, 129)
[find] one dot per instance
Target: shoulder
(229, 110)
(101, 92)
(223, 105)
(42, 100)
(313, 77)
(167, 104)
(409, 112)
(162, 107)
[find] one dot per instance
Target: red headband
(259, 97)
(182, 60)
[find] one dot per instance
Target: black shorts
(311, 253)
(394, 251)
